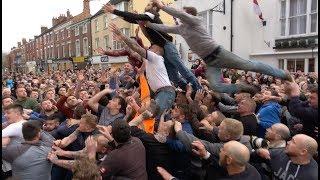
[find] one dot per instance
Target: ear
(228, 160)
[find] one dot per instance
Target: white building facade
(289, 40)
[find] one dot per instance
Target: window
(69, 47)
(96, 25)
(57, 36)
(207, 20)
(52, 52)
(281, 64)
(293, 65)
(44, 39)
(105, 21)
(106, 42)
(78, 48)
(63, 51)
(283, 18)
(68, 33)
(125, 31)
(298, 17)
(76, 31)
(58, 51)
(84, 28)
(123, 6)
(314, 16)
(97, 42)
(62, 34)
(311, 65)
(45, 53)
(85, 46)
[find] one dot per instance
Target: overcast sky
(23, 18)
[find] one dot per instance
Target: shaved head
(308, 143)
(239, 152)
(282, 130)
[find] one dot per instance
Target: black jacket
(155, 37)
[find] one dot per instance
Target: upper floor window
(96, 25)
(76, 31)
(298, 17)
(105, 22)
(84, 28)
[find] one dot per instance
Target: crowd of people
(154, 118)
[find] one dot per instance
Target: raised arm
(94, 101)
(127, 16)
(129, 42)
(164, 28)
(114, 53)
(183, 16)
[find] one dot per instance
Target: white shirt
(156, 71)
(13, 130)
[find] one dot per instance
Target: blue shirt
(176, 144)
(268, 114)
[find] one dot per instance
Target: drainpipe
(231, 27)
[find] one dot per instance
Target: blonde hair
(86, 168)
(233, 127)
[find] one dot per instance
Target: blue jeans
(165, 99)
(174, 65)
(226, 59)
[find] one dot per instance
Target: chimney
(19, 44)
(24, 41)
(86, 7)
(68, 14)
(43, 29)
(54, 21)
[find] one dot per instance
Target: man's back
(128, 160)
(29, 161)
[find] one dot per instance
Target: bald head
(308, 143)
(239, 152)
(282, 130)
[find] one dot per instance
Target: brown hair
(191, 10)
(90, 119)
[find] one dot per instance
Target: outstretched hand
(158, 3)
(117, 34)
(100, 51)
(108, 8)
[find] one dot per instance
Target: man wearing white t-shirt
(15, 119)
(13, 114)
(156, 71)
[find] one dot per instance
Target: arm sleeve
(187, 139)
(117, 53)
(132, 17)
(176, 145)
(164, 28)
(10, 131)
(298, 109)
(185, 17)
(228, 109)
(60, 103)
(151, 56)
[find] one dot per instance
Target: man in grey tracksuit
(216, 57)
